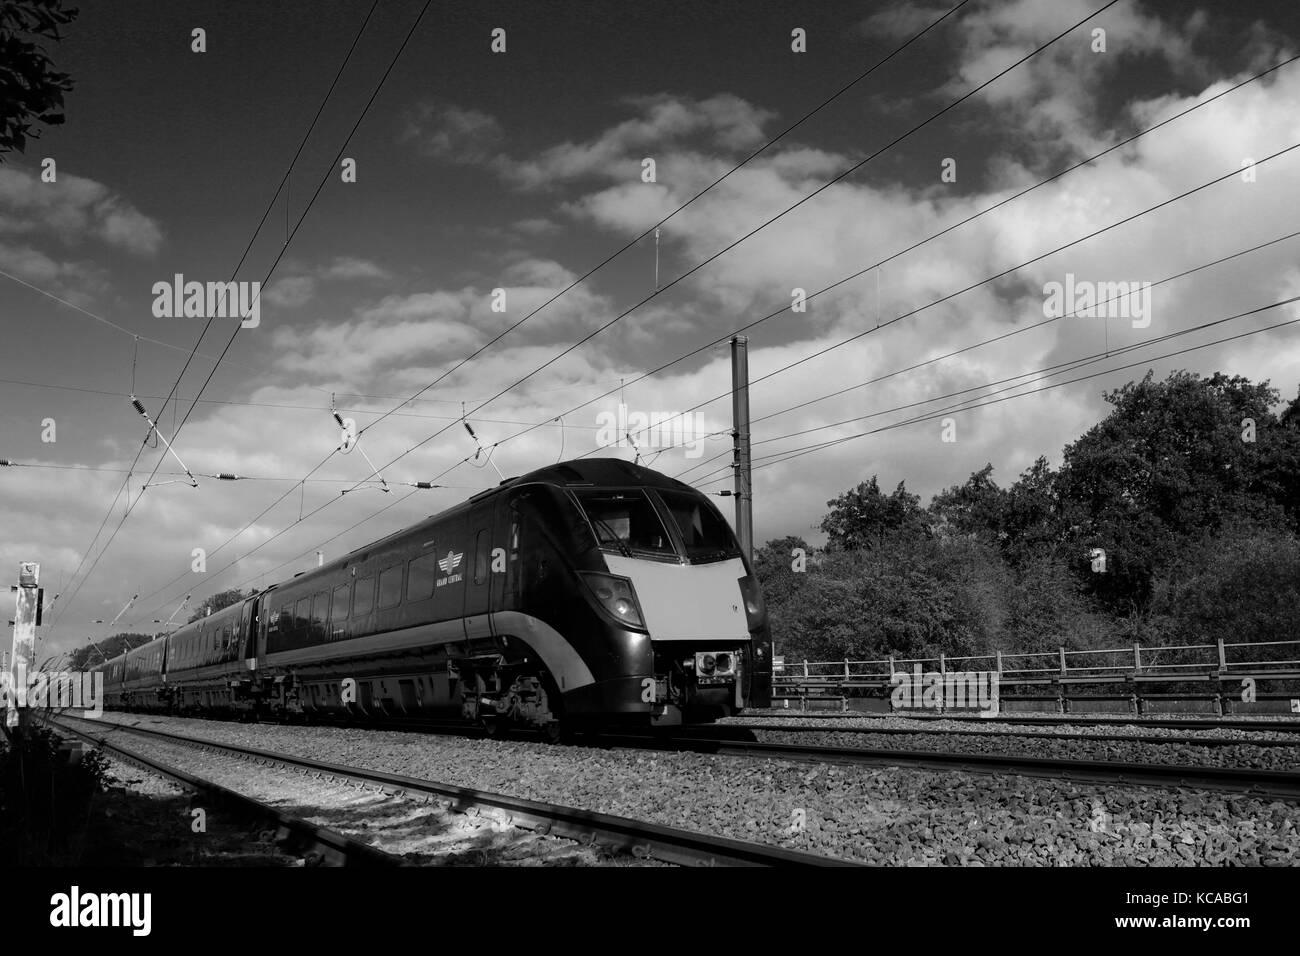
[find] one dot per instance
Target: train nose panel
(688, 602)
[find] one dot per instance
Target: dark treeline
(1189, 487)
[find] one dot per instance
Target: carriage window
(419, 583)
(301, 615)
(390, 586)
(339, 610)
(365, 597)
(320, 603)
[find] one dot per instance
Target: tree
(218, 601)
(87, 655)
(863, 517)
(31, 90)
(1242, 585)
(975, 509)
(1166, 466)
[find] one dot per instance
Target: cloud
(289, 292)
(724, 122)
(349, 267)
(449, 133)
(296, 290)
(74, 210)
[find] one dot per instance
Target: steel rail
(298, 834)
(644, 839)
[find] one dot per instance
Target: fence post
(846, 668)
(1137, 657)
(1062, 653)
(1223, 660)
(999, 657)
(892, 669)
(942, 667)
(805, 667)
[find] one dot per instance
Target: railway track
(334, 848)
(738, 732)
(1279, 726)
(666, 844)
(1277, 784)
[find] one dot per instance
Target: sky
(502, 178)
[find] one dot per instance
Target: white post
(24, 641)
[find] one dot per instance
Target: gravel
(888, 816)
(421, 833)
(1244, 755)
(981, 727)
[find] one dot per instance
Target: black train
(592, 592)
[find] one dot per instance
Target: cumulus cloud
(724, 122)
(74, 210)
(449, 133)
(296, 289)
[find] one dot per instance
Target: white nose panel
(688, 602)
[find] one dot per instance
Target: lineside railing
(1219, 665)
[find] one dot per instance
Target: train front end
(674, 571)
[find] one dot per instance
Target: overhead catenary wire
(654, 228)
(324, 178)
(840, 176)
(280, 405)
(176, 431)
(630, 244)
(786, 307)
(788, 454)
(997, 338)
(1002, 274)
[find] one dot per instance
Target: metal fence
(1136, 670)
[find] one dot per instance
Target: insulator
(6, 463)
(424, 484)
(139, 407)
(470, 430)
(227, 476)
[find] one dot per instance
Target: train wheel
(553, 732)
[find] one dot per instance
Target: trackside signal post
(24, 646)
(741, 463)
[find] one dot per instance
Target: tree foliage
(1190, 486)
(219, 600)
(864, 517)
(31, 90)
(88, 655)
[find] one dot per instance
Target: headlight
(718, 664)
(615, 595)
